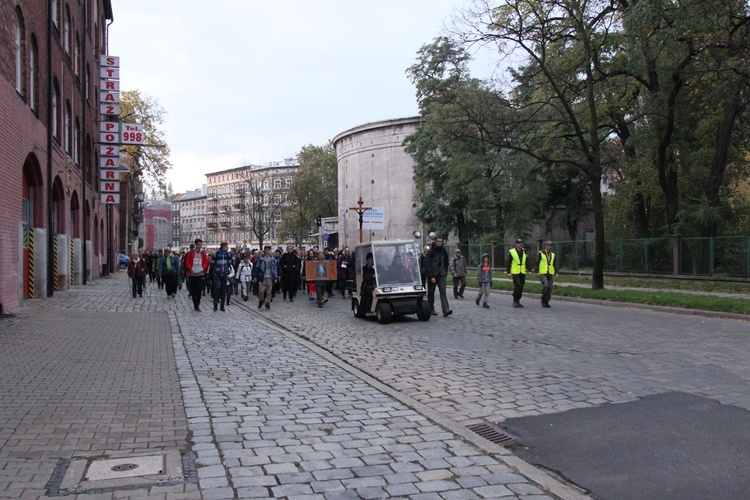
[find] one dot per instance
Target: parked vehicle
(124, 261)
(397, 286)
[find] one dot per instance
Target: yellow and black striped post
(30, 236)
(54, 263)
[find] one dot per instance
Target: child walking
(484, 277)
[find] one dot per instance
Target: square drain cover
(129, 471)
(116, 468)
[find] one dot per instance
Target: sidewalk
(253, 411)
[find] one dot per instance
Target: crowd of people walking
(221, 273)
(268, 273)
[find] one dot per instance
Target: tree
(314, 192)
(556, 115)
(150, 161)
(466, 184)
(263, 202)
(687, 76)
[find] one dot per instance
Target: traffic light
(319, 221)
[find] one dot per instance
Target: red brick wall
(23, 132)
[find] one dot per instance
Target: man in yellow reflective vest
(547, 272)
(516, 269)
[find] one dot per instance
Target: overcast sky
(253, 81)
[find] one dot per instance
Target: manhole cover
(116, 468)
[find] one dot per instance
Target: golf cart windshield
(396, 264)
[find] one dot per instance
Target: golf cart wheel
(359, 312)
(385, 313)
(423, 310)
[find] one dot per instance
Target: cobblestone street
(254, 410)
(503, 362)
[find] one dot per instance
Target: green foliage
(314, 192)
(648, 297)
(150, 161)
(466, 183)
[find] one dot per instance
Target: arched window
(77, 56)
(66, 31)
(87, 81)
(20, 42)
(33, 74)
(67, 123)
(55, 12)
(77, 142)
(55, 111)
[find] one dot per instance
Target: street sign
(325, 236)
(132, 133)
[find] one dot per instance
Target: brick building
(156, 230)
(53, 224)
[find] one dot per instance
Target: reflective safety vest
(517, 265)
(544, 266)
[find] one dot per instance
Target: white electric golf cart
(388, 282)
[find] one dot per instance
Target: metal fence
(720, 257)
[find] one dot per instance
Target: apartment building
(244, 204)
(188, 217)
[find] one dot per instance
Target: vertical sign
(109, 132)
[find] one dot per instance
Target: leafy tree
(150, 161)
(467, 184)
(688, 78)
(314, 192)
(556, 115)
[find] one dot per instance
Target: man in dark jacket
(437, 270)
(290, 265)
(221, 267)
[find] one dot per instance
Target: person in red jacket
(137, 271)
(196, 268)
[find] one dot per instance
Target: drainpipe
(84, 125)
(50, 268)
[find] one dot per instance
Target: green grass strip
(660, 298)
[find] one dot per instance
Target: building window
(77, 57)
(76, 143)
(33, 74)
(20, 59)
(55, 110)
(265, 184)
(277, 184)
(66, 126)
(66, 31)
(54, 13)
(288, 182)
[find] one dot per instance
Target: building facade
(188, 217)
(373, 166)
(244, 204)
(54, 230)
(156, 230)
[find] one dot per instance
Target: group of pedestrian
(434, 266)
(224, 273)
(517, 267)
